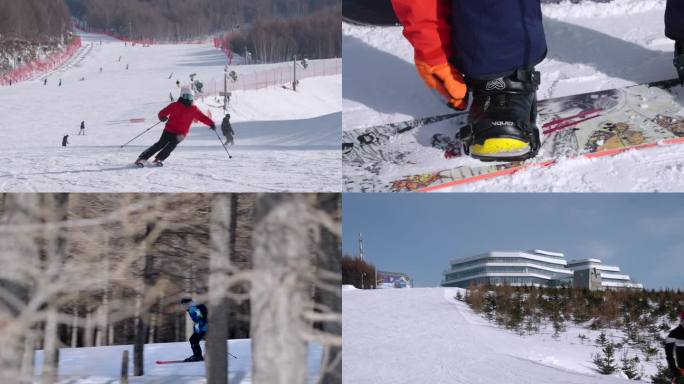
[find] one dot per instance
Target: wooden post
(124, 368)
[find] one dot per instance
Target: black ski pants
(166, 144)
(195, 343)
(674, 19)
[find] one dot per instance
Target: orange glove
(447, 80)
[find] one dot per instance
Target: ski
(162, 362)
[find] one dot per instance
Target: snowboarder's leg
(496, 46)
(492, 39)
(164, 140)
(674, 29)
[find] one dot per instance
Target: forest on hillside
(179, 20)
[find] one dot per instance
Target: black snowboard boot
(679, 59)
(502, 124)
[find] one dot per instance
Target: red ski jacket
(427, 25)
(181, 117)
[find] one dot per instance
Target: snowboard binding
(679, 59)
(502, 125)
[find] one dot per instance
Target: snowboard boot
(502, 124)
(158, 163)
(194, 358)
(140, 163)
(679, 59)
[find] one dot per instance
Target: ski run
(424, 335)
(284, 141)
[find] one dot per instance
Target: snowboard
(369, 12)
(595, 124)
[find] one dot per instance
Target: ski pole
(232, 355)
(224, 147)
(144, 132)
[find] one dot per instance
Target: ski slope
(102, 365)
(284, 141)
(423, 335)
(592, 46)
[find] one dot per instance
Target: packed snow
(101, 365)
(284, 140)
(592, 46)
(424, 335)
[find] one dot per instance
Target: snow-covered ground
(285, 140)
(592, 46)
(102, 365)
(424, 335)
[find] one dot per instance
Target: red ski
(160, 362)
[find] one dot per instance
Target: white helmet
(186, 93)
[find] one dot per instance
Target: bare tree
(219, 287)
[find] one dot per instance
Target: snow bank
(567, 9)
(100, 365)
(349, 287)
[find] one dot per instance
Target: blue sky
(419, 233)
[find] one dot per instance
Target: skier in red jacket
(178, 116)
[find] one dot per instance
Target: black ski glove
(163, 118)
(212, 127)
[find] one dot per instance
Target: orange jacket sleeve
(427, 26)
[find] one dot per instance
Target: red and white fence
(37, 67)
(280, 75)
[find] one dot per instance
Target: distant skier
(82, 130)
(674, 351)
(674, 29)
(127, 67)
(178, 83)
(65, 140)
(179, 116)
(199, 315)
(60, 82)
(227, 130)
(45, 81)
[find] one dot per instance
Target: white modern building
(593, 274)
(534, 268)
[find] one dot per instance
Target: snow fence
(40, 66)
(280, 75)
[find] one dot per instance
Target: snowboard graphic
(369, 12)
(604, 123)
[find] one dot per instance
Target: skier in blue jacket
(199, 315)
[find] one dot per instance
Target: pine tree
(630, 367)
(605, 361)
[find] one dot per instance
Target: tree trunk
(330, 260)
(55, 208)
(50, 349)
(219, 286)
(281, 294)
(141, 318)
(27, 359)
